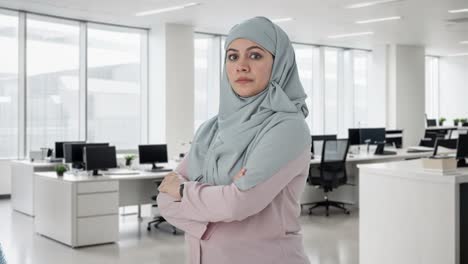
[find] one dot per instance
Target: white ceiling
(424, 21)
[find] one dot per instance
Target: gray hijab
(245, 125)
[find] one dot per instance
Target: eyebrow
(249, 48)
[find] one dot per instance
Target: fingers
(240, 174)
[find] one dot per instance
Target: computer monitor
(462, 150)
(320, 138)
(59, 147)
(354, 136)
(446, 143)
(431, 122)
(73, 153)
(152, 154)
(372, 135)
(99, 158)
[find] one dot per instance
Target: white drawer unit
(88, 210)
(97, 204)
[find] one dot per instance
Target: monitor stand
(156, 168)
(462, 163)
(96, 173)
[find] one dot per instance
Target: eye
(255, 56)
(232, 57)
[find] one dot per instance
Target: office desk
(350, 193)
(83, 210)
(411, 215)
(22, 183)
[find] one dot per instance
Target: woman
(236, 195)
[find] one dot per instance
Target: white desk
(83, 210)
(350, 193)
(411, 215)
(22, 183)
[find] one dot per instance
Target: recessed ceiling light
(378, 20)
(167, 9)
(464, 42)
(284, 19)
(372, 3)
(458, 54)
(458, 10)
(351, 35)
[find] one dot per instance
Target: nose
(242, 65)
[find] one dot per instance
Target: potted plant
(441, 121)
(456, 121)
(463, 121)
(60, 169)
(128, 159)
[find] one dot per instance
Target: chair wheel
(174, 232)
(148, 228)
(347, 212)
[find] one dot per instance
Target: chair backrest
(431, 122)
(446, 143)
(320, 139)
(333, 165)
(430, 138)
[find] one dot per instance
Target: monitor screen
(372, 135)
(462, 146)
(73, 152)
(59, 149)
(354, 136)
(152, 153)
(99, 157)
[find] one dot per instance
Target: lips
(243, 80)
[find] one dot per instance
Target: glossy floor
(329, 240)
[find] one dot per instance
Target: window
(52, 83)
(114, 97)
(9, 85)
(304, 61)
(432, 87)
(208, 65)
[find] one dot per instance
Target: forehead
(242, 44)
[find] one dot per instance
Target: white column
(171, 82)
(406, 91)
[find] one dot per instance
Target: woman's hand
(240, 174)
(171, 185)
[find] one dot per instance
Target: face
(248, 67)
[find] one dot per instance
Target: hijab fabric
(223, 144)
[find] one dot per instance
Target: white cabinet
(22, 184)
(77, 213)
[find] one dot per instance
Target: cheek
(264, 72)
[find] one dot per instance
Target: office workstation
(114, 93)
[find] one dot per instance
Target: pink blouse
(225, 225)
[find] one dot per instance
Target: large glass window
(304, 61)
(208, 61)
(114, 86)
(432, 87)
(52, 68)
(8, 85)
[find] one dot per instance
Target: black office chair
(331, 173)
(320, 138)
(158, 219)
(431, 122)
(430, 139)
(446, 143)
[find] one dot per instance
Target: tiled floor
(329, 240)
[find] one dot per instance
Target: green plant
(61, 169)
(463, 120)
(129, 158)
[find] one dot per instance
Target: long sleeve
(171, 209)
(205, 203)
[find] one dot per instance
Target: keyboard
(417, 149)
(159, 170)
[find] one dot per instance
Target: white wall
(5, 177)
(453, 88)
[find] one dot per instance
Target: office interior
(387, 75)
